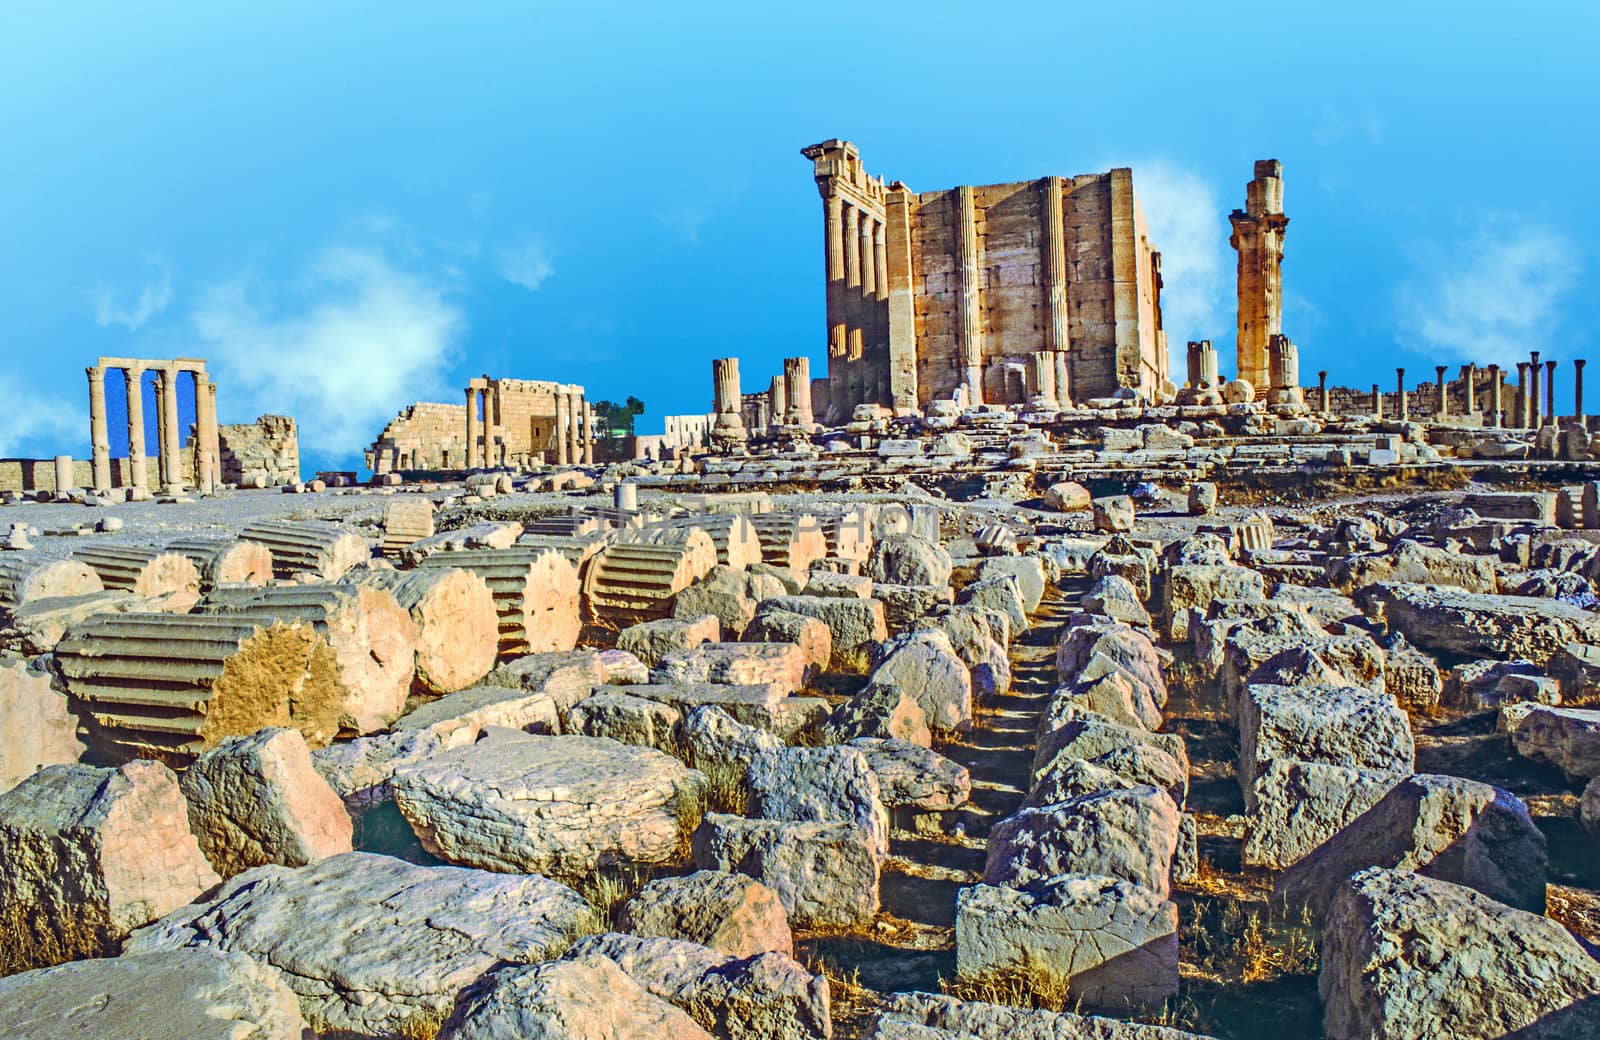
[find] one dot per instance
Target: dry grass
(1027, 986)
(28, 941)
(726, 789)
(608, 891)
(1234, 946)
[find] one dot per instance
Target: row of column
(788, 397)
(1527, 411)
(574, 430)
(169, 453)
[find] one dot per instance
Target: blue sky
(350, 207)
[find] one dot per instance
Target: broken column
(63, 474)
(144, 571)
(535, 590)
(797, 390)
(1377, 402)
(793, 540)
(1400, 392)
(223, 560)
(1534, 409)
(1496, 417)
(167, 686)
(1550, 390)
(631, 581)
(458, 631)
(317, 547)
(728, 429)
(99, 438)
(1523, 402)
(472, 426)
(1258, 232)
(1284, 358)
(1322, 392)
(23, 580)
(1577, 390)
(588, 433)
(1203, 385)
(1444, 396)
(406, 519)
(1042, 379)
(777, 401)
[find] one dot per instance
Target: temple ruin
(998, 293)
(504, 422)
(170, 475)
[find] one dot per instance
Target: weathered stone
(821, 785)
(1446, 827)
(190, 994)
(1115, 644)
(565, 676)
(1027, 571)
(42, 729)
(89, 855)
(1567, 738)
(764, 997)
(1114, 513)
(1300, 805)
(974, 635)
(622, 668)
(650, 641)
(1410, 561)
(824, 873)
(925, 664)
(886, 710)
(1202, 499)
(915, 776)
(1188, 590)
(1129, 834)
(1085, 734)
(726, 594)
(1110, 943)
(564, 805)
(627, 720)
(583, 998)
(1480, 625)
(905, 605)
(810, 634)
(761, 705)
(375, 945)
(906, 559)
(1412, 678)
(712, 736)
(257, 800)
(856, 625)
(731, 913)
(1115, 597)
(779, 664)
(1342, 726)
(831, 583)
(1067, 497)
(1121, 768)
(925, 1016)
(1115, 694)
(1407, 956)
(999, 594)
(478, 707)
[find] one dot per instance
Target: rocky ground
(978, 758)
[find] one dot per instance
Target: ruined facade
(505, 422)
(1002, 293)
(1258, 232)
(265, 453)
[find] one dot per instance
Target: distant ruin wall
(424, 436)
(265, 453)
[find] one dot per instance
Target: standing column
(869, 282)
(1322, 392)
(1444, 397)
(1534, 411)
(588, 433)
(970, 328)
(1524, 407)
(472, 426)
(1469, 375)
(136, 469)
(777, 400)
(561, 429)
(1258, 232)
(1495, 418)
(834, 209)
(215, 434)
(1377, 402)
(1550, 391)
(1063, 379)
(1577, 390)
(99, 437)
(852, 282)
(158, 479)
(574, 432)
(1400, 390)
(205, 431)
(797, 390)
(729, 425)
(172, 439)
(1057, 331)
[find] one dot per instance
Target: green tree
(616, 420)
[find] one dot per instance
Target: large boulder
(825, 874)
(1129, 834)
(1299, 805)
(1114, 694)
(1472, 624)
(1106, 942)
(711, 738)
(1113, 513)
(257, 800)
(565, 676)
(810, 634)
(857, 626)
(762, 997)
(1410, 561)
(375, 945)
(915, 777)
(1027, 571)
(1567, 738)
(90, 854)
(584, 998)
(1129, 650)
(926, 665)
(999, 593)
(781, 664)
(1188, 590)
(191, 994)
(886, 710)
(733, 913)
(821, 785)
(564, 805)
(41, 727)
(1086, 734)
(1130, 765)
(979, 638)
(1114, 596)
(1068, 497)
(1407, 957)
(650, 641)
(906, 559)
(477, 707)
(927, 1016)
(1447, 827)
(1343, 726)
(627, 720)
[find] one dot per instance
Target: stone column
(1063, 379)
(1496, 419)
(852, 282)
(1550, 391)
(1377, 402)
(1400, 392)
(1192, 365)
(1577, 389)
(472, 426)
(869, 260)
(880, 258)
(969, 329)
(729, 425)
(560, 431)
(1042, 374)
(880, 309)
(777, 400)
(99, 437)
(1524, 407)
(1534, 410)
(1056, 327)
(158, 479)
(64, 476)
(205, 434)
(797, 390)
(172, 440)
(1444, 397)
(1469, 374)
(833, 206)
(575, 406)
(1322, 392)
(588, 433)
(1258, 232)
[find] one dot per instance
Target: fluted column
(1258, 232)
(1377, 402)
(574, 434)
(1469, 373)
(869, 260)
(777, 400)
(970, 321)
(1056, 327)
(1496, 418)
(1400, 391)
(472, 426)
(1550, 391)
(729, 423)
(99, 436)
(1444, 397)
(797, 390)
(1063, 379)
(588, 433)
(1524, 406)
(1042, 375)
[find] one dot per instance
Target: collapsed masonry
(505, 422)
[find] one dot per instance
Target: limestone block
(881, 709)
(1084, 734)
(1300, 805)
(1129, 650)
(582, 998)
(725, 594)
(925, 664)
(650, 641)
(821, 785)
(782, 665)
(1064, 777)
(1489, 969)
(1567, 738)
(89, 855)
(1110, 943)
(998, 593)
(905, 605)
(1343, 726)
(824, 873)
(372, 944)
(40, 726)
(1113, 513)
(1129, 834)
(761, 704)
(713, 738)
(1410, 561)
(1446, 827)
(926, 1016)
(621, 667)
(1202, 498)
(913, 775)
(627, 720)
(1412, 678)
(812, 635)
(1027, 571)
(764, 997)
(549, 804)
(1114, 694)
(1115, 597)
(731, 913)
(257, 800)
(190, 994)
(1067, 497)
(566, 677)
(1189, 590)
(1481, 625)
(479, 707)
(856, 626)
(907, 559)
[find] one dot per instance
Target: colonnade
(170, 475)
(490, 445)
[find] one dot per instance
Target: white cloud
(527, 265)
(1188, 225)
(1490, 298)
(45, 426)
(358, 339)
(112, 308)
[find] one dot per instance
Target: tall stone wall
(424, 436)
(264, 453)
